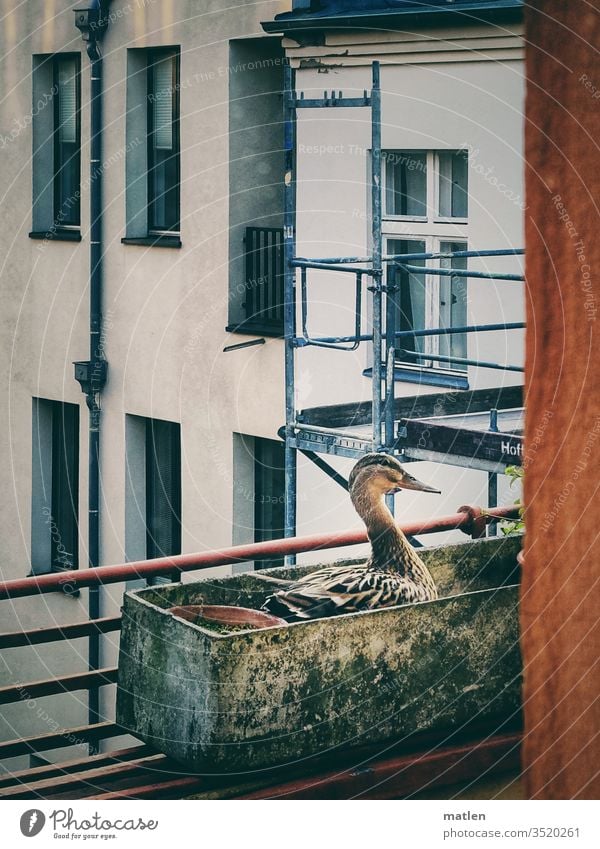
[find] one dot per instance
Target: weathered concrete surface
(559, 602)
(235, 702)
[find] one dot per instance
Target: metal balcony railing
(470, 520)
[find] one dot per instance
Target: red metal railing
(471, 520)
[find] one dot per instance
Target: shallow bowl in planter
(227, 617)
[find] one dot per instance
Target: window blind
(67, 101)
(162, 103)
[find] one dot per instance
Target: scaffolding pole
(387, 343)
(377, 252)
(289, 246)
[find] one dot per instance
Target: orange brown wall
(560, 609)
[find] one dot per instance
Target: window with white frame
(426, 210)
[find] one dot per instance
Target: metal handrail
(19, 587)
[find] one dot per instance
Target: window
(163, 488)
(269, 495)
(163, 142)
(405, 183)
(152, 167)
(258, 494)
(67, 141)
(426, 185)
(55, 486)
(256, 168)
(426, 211)
(453, 304)
(56, 155)
(410, 296)
(452, 184)
(423, 301)
(152, 490)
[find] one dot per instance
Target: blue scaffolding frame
(310, 439)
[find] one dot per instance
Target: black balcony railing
(263, 304)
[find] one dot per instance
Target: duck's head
(382, 474)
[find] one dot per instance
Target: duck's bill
(409, 482)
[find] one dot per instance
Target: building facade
(193, 174)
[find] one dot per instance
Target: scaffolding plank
(439, 403)
(337, 445)
(332, 101)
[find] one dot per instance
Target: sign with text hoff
(427, 437)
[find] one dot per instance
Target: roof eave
(509, 10)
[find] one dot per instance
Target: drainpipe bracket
(91, 376)
(92, 21)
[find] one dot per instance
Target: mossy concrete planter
(230, 703)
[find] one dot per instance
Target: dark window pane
(163, 488)
(453, 304)
(65, 486)
(410, 297)
(163, 143)
(405, 183)
(269, 490)
(66, 142)
(453, 183)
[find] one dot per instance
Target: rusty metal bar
(165, 789)
(63, 684)
(58, 739)
(405, 775)
(378, 778)
(74, 766)
(16, 639)
(141, 767)
(235, 554)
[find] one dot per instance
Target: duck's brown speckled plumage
(393, 575)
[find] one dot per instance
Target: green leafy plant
(516, 474)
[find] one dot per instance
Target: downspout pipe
(92, 23)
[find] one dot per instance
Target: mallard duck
(394, 573)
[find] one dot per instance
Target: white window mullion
(431, 185)
(433, 299)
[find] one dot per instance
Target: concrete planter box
(242, 701)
